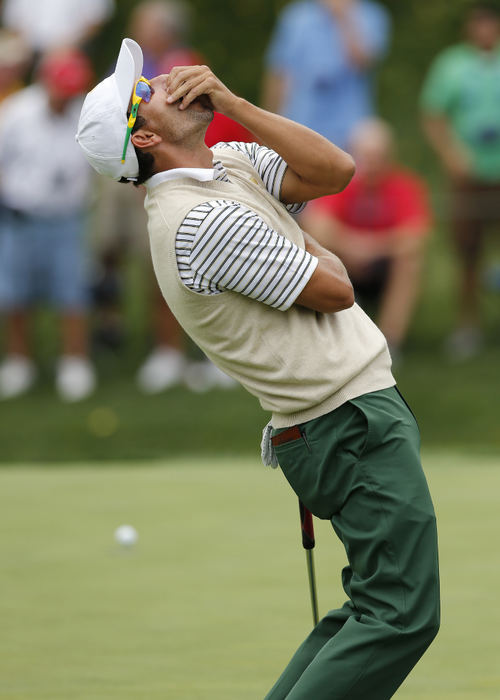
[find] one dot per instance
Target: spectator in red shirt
(378, 226)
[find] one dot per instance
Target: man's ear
(143, 138)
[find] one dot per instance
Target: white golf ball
(126, 535)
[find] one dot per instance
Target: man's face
(175, 125)
(483, 30)
(338, 5)
(372, 152)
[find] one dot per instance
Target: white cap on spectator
(103, 119)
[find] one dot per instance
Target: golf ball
(126, 535)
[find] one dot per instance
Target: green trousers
(359, 467)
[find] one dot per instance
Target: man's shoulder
(239, 148)
(374, 9)
(236, 157)
(454, 57)
(25, 101)
(300, 13)
(300, 8)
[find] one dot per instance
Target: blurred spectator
(161, 28)
(43, 192)
(377, 226)
(320, 63)
(14, 59)
(461, 110)
(49, 24)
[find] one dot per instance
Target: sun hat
(103, 119)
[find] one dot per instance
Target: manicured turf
(212, 601)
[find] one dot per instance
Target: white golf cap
(103, 119)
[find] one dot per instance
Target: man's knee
(431, 628)
(423, 629)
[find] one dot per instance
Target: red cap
(67, 73)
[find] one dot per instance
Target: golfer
(273, 309)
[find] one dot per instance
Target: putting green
(214, 598)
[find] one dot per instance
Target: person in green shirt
(460, 102)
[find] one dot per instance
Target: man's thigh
(475, 206)
(67, 268)
(388, 524)
(359, 466)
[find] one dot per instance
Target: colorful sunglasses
(142, 93)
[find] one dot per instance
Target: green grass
(213, 599)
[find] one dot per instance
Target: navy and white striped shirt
(223, 245)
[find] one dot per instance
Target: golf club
(307, 527)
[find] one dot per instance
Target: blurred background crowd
(412, 92)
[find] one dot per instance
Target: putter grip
(307, 527)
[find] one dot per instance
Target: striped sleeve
(222, 246)
(270, 166)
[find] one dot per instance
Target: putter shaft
(308, 542)
(312, 585)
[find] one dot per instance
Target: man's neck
(174, 157)
(486, 49)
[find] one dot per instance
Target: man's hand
(457, 164)
(339, 8)
(187, 83)
(452, 153)
(329, 290)
(315, 166)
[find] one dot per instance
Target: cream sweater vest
(300, 363)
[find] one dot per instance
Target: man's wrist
(236, 108)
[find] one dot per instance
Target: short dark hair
(146, 160)
(490, 8)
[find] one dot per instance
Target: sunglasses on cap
(142, 93)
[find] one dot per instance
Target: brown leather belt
(287, 435)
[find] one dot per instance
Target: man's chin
(206, 102)
(202, 105)
(201, 112)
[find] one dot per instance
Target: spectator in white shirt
(44, 189)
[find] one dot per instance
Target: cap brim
(103, 119)
(128, 70)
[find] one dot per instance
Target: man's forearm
(312, 246)
(329, 290)
(452, 154)
(359, 55)
(311, 156)
(273, 91)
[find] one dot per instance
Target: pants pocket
(320, 465)
(295, 460)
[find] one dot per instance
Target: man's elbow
(344, 173)
(347, 299)
(342, 300)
